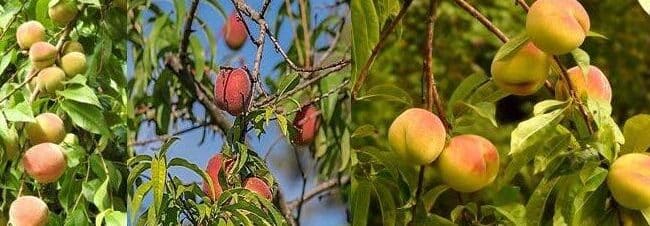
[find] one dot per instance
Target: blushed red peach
(629, 180)
(417, 136)
(557, 26)
(523, 72)
(28, 211)
(468, 163)
(234, 31)
(47, 128)
(258, 186)
(593, 85)
(232, 90)
(306, 122)
(44, 162)
(29, 33)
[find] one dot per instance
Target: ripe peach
(28, 211)
(72, 46)
(594, 85)
(232, 91)
(468, 163)
(258, 186)
(417, 136)
(234, 31)
(523, 72)
(48, 128)
(44, 162)
(74, 63)
(29, 33)
(307, 123)
(214, 168)
(63, 12)
(50, 79)
(629, 180)
(42, 54)
(557, 26)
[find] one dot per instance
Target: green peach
(29, 33)
(74, 63)
(417, 136)
(468, 163)
(63, 12)
(72, 46)
(557, 26)
(521, 73)
(629, 180)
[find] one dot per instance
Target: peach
(307, 123)
(232, 90)
(629, 180)
(48, 128)
(234, 31)
(11, 144)
(42, 54)
(557, 26)
(44, 162)
(258, 186)
(28, 211)
(417, 136)
(74, 63)
(523, 72)
(63, 12)
(72, 46)
(215, 165)
(468, 163)
(594, 85)
(29, 33)
(50, 79)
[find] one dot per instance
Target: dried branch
(322, 187)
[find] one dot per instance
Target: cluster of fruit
(45, 160)
(217, 165)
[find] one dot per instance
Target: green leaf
(365, 27)
(389, 93)
(635, 131)
(80, 93)
(21, 112)
(158, 179)
(199, 57)
(364, 131)
(86, 116)
(511, 47)
(519, 139)
(288, 82)
(547, 105)
(537, 201)
(429, 198)
(582, 59)
(598, 35)
(284, 127)
(646, 215)
(360, 202)
(386, 204)
(464, 90)
(100, 199)
(485, 110)
(138, 196)
(115, 218)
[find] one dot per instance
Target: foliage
(92, 105)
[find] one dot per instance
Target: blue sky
(327, 211)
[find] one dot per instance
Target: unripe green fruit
(44, 162)
(258, 186)
(11, 144)
(63, 12)
(306, 122)
(29, 33)
(42, 54)
(71, 139)
(523, 72)
(417, 136)
(74, 63)
(28, 211)
(234, 32)
(48, 128)
(72, 46)
(594, 85)
(629, 180)
(557, 26)
(50, 79)
(468, 163)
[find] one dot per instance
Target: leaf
(85, 116)
(115, 218)
(464, 89)
(288, 82)
(389, 93)
(364, 131)
(21, 112)
(514, 212)
(646, 214)
(158, 179)
(138, 196)
(365, 27)
(519, 138)
(537, 201)
(511, 47)
(635, 131)
(429, 198)
(598, 35)
(386, 204)
(360, 202)
(100, 199)
(486, 110)
(547, 105)
(284, 128)
(582, 59)
(81, 94)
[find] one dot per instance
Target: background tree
(62, 113)
(389, 42)
(293, 64)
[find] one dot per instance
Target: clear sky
(326, 211)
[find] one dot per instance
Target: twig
(361, 78)
(471, 10)
(323, 187)
(304, 184)
(166, 137)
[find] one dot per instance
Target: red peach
(417, 136)
(468, 163)
(44, 162)
(42, 54)
(593, 85)
(258, 186)
(232, 91)
(234, 31)
(29, 33)
(214, 169)
(28, 211)
(307, 123)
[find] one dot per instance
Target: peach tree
(461, 162)
(62, 113)
(182, 76)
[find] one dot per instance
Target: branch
(380, 44)
(323, 187)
